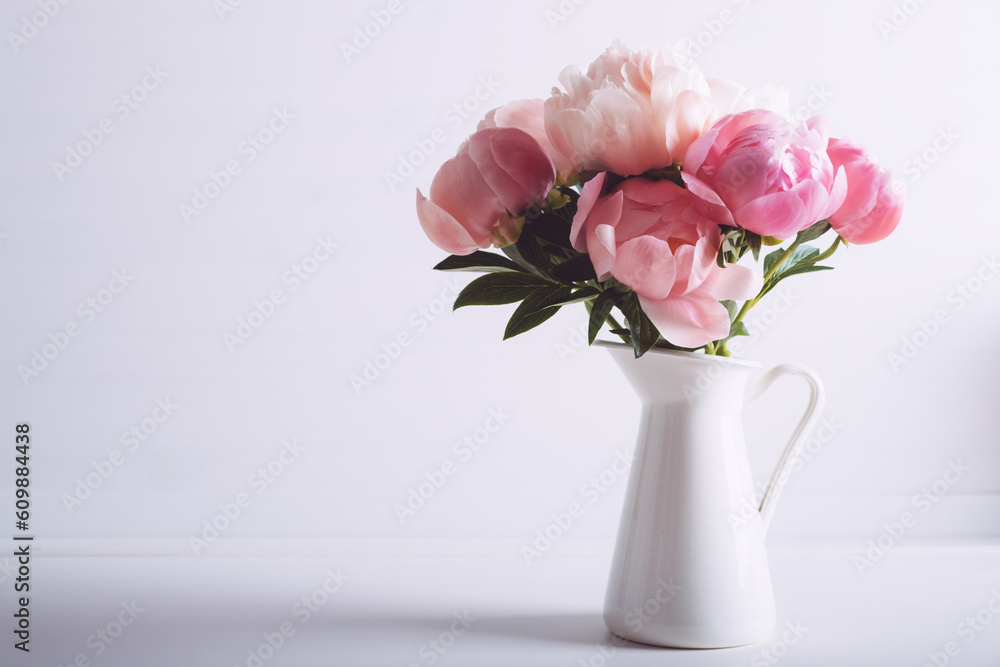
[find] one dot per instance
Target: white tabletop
(448, 603)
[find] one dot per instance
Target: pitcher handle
(794, 447)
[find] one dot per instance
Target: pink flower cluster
(743, 165)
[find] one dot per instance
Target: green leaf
(641, 328)
(499, 288)
(720, 257)
(582, 294)
(484, 262)
(537, 307)
(600, 311)
(575, 269)
(730, 307)
(532, 251)
(755, 245)
(801, 254)
(738, 329)
(781, 275)
(552, 229)
(512, 252)
(814, 231)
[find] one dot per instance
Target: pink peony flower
(654, 237)
(635, 111)
(758, 172)
(873, 205)
(529, 116)
(496, 175)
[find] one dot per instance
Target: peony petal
(646, 265)
(621, 138)
(691, 320)
(685, 123)
(443, 229)
(881, 220)
(733, 282)
(603, 250)
(601, 224)
(459, 189)
(862, 181)
(514, 165)
(529, 116)
(588, 197)
(747, 173)
(814, 198)
(838, 194)
(695, 263)
(778, 214)
(712, 205)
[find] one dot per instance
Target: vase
(689, 567)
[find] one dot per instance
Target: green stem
(767, 276)
(614, 323)
(829, 251)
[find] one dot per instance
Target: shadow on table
(581, 629)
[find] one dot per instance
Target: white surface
(891, 435)
(400, 597)
(894, 432)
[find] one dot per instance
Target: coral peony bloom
(873, 205)
(496, 175)
(654, 237)
(758, 172)
(636, 111)
(529, 116)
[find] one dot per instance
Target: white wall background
(569, 411)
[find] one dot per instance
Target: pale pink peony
(654, 237)
(758, 172)
(529, 116)
(874, 204)
(636, 111)
(496, 175)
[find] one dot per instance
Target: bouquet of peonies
(640, 188)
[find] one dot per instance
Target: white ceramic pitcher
(689, 567)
